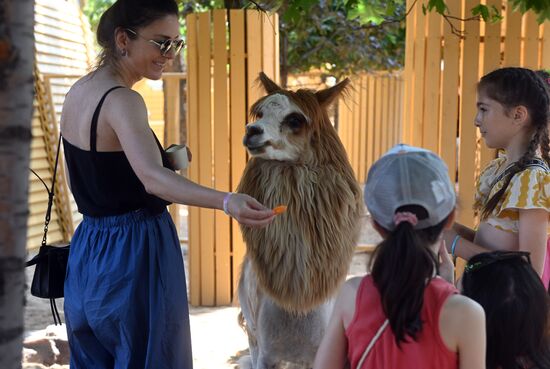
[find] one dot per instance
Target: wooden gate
(441, 73)
(226, 51)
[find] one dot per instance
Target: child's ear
(520, 115)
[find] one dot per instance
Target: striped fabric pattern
(529, 189)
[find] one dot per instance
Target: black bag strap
(51, 193)
(535, 162)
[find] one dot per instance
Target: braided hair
(512, 87)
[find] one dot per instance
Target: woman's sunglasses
(165, 46)
(496, 256)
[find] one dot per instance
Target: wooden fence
(226, 51)
(370, 118)
(441, 72)
(63, 49)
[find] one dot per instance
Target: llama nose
(253, 130)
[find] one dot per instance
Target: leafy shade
(343, 37)
(340, 36)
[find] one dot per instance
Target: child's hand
(446, 266)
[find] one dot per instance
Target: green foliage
(343, 36)
(488, 14)
(94, 9)
(541, 7)
(438, 5)
(340, 36)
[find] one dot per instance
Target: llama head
(288, 122)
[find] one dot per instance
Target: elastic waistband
(129, 218)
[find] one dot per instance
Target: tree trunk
(16, 96)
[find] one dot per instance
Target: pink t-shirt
(428, 352)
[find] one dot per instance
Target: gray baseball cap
(408, 175)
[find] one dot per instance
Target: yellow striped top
(529, 189)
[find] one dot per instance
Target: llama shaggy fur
(294, 266)
(303, 256)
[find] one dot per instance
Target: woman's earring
(123, 52)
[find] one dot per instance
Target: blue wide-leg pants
(125, 294)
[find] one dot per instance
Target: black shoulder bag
(51, 261)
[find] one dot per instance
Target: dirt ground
(217, 339)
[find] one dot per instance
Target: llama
(293, 267)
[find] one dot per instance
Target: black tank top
(104, 183)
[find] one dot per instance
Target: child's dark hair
(516, 306)
(512, 87)
(131, 14)
(401, 266)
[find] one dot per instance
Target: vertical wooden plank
(430, 124)
(512, 38)
(377, 117)
(384, 116)
(172, 125)
(254, 48)
(363, 133)
(391, 111)
(545, 60)
(468, 137)
(420, 75)
(490, 62)
(371, 93)
(343, 123)
(268, 44)
(275, 21)
(349, 125)
(530, 47)
(238, 121)
(356, 140)
(193, 171)
(205, 159)
(449, 96)
(221, 155)
(409, 75)
(400, 133)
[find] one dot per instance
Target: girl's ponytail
(401, 267)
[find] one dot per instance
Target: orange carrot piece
(279, 209)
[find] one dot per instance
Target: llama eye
(294, 121)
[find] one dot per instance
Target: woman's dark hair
(513, 87)
(401, 265)
(131, 14)
(516, 308)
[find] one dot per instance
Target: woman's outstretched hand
(248, 211)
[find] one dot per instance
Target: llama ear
(268, 84)
(327, 96)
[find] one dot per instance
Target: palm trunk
(16, 96)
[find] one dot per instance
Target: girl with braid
(513, 191)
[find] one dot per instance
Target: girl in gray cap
(403, 315)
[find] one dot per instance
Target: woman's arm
(533, 225)
(127, 115)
